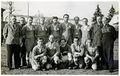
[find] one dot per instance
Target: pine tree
(111, 12)
(97, 13)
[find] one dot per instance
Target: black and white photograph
(59, 37)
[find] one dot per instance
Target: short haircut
(30, 17)
(40, 39)
(55, 17)
(22, 17)
(76, 17)
(65, 15)
(85, 19)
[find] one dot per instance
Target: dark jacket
(96, 34)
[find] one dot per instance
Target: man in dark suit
(11, 33)
(108, 38)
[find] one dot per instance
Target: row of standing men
(101, 33)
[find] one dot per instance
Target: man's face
(63, 42)
(75, 40)
(55, 20)
(22, 20)
(99, 19)
(51, 38)
(76, 20)
(66, 18)
(105, 21)
(13, 19)
(85, 21)
(30, 20)
(40, 42)
(89, 42)
(42, 20)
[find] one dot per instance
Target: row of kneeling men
(56, 56)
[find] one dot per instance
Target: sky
(54, 8)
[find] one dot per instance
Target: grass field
(26, 71)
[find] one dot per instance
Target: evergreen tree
(111, 13)
(97, 13)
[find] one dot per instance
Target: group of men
(58, 44)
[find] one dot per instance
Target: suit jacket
(108, 33)
(12, 33)
(96, 34)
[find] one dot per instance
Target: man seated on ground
(78, 53)
(53, 52)
(91, 56)
(66, 54)
(39, 58)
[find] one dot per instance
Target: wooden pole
(28, 8)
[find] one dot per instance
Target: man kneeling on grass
(66, 54)
(91, 55)
(78, 53)
(53, 53)
(39, 58)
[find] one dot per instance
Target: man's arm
(72, 48)
(40, 55)
(58, 49)
(96, 54)
(5, 31)
(114, 33)
(23, 31)
(87, 55)
(82, 50)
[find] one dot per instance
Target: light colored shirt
(92, 51)
(85, 31)
(77, 49)
(38, 50)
